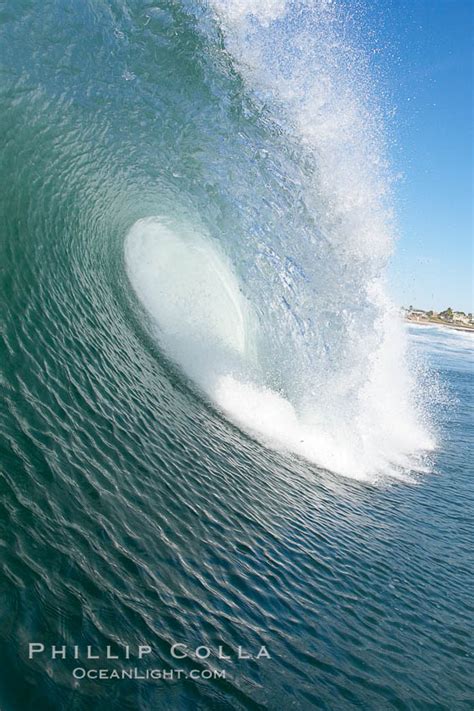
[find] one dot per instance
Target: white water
(191, 293)
(205, 324)
(316, 319)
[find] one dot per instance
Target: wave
(187, 245)
(285, 324)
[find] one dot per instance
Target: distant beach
(456, 320)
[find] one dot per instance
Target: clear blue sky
(427, 72)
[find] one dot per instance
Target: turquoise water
(216, 432)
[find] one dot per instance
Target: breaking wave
(280, 315)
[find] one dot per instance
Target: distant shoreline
(438, 322)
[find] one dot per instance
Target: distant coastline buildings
(448, 317)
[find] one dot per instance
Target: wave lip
(286, 326)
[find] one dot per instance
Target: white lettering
(109, 653)
(204, 654)
(220, 653)
(174, 653)
(58, 652)
(89, 653)
(34, 648)
(143, 649)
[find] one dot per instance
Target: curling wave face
(316, 364)
(194, 232)
(362, 427)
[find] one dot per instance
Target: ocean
(231, 476)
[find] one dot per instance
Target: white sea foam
(312, 360)
(192, 295)
(203, 321)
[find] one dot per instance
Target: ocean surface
(216, 430)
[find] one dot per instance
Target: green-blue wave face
(196, 346)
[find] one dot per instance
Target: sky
(426, 64)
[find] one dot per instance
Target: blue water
(216, 430)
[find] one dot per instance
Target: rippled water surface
(288, 485)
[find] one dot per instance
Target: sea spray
(323, 372)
